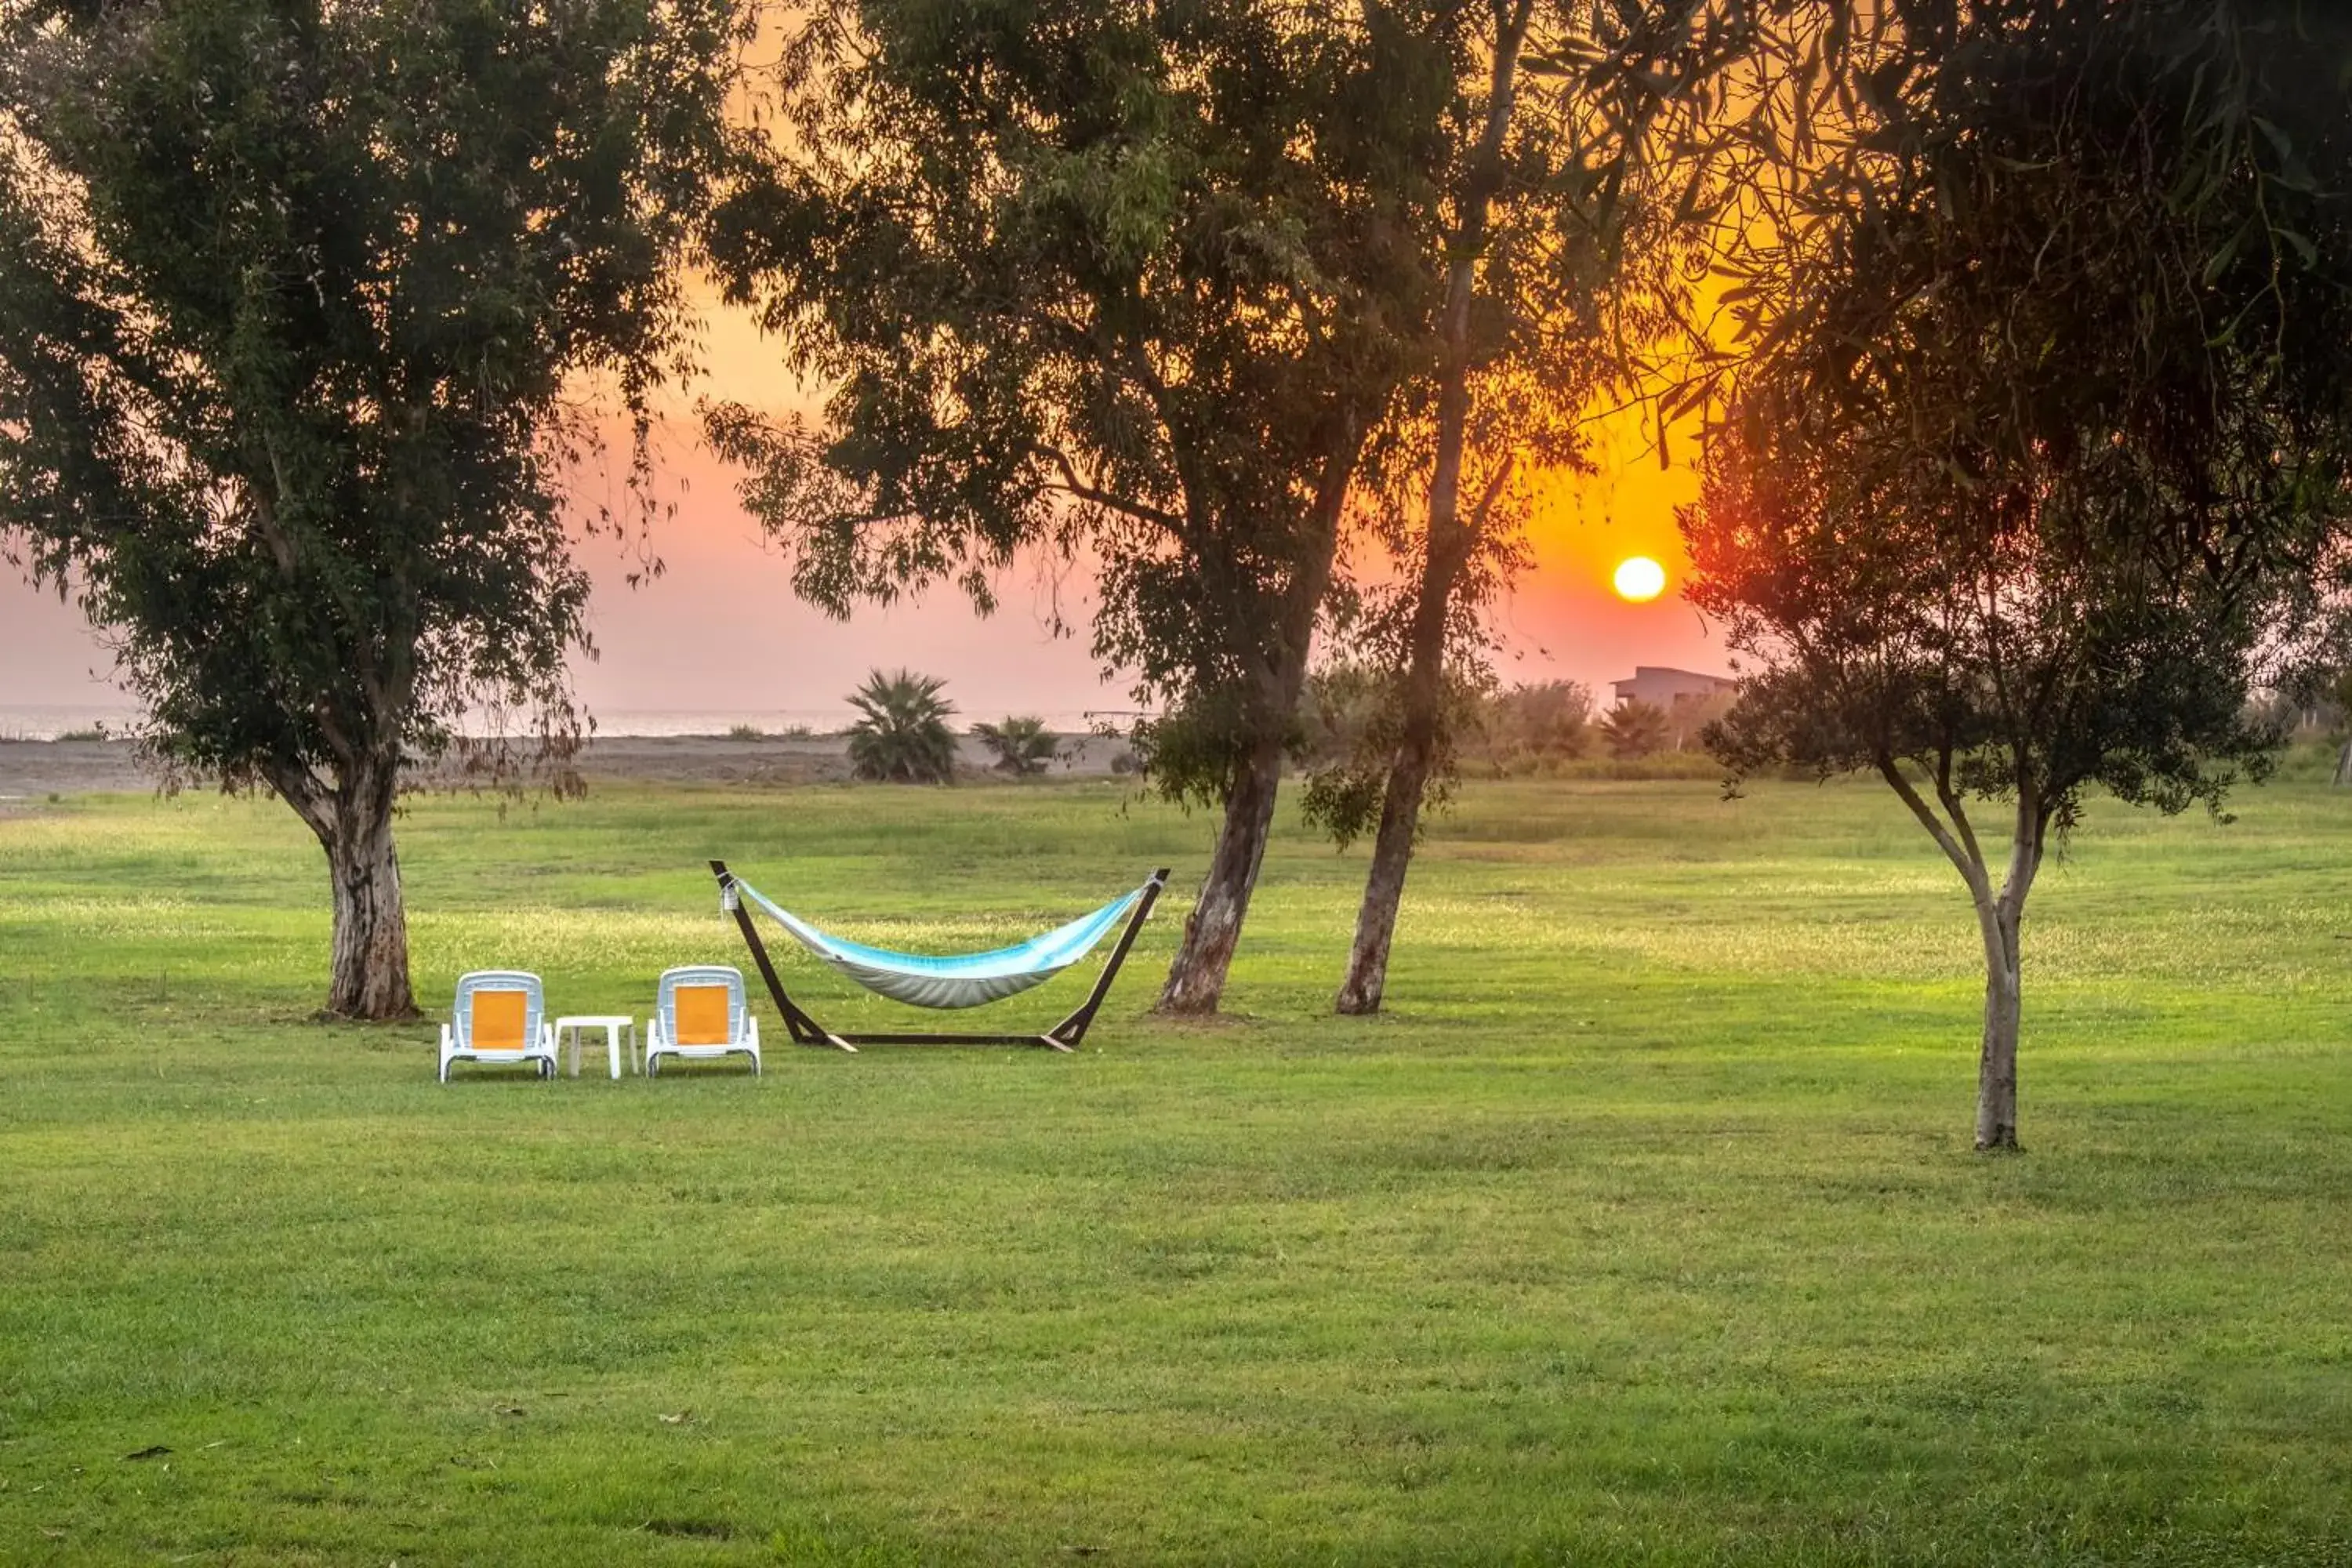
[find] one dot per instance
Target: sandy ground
(32, 771)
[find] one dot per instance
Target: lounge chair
(700, 1015)
(499, 1019)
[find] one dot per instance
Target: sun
(1639, 579)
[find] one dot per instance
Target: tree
(1635, 729)
(1578, 169)
(2044, 438)
(1022, 745)
(903, 736)
(1126, 277)
(290, 296)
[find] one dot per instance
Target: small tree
(292, 296)
(1579, 168)
(1635, 729)
(902, 736)
(1022, 745)
(2025, 488)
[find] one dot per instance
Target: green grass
(1644, 1229)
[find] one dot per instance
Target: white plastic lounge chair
(701, 1016)
(499, 1019)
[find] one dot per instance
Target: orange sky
(721, 633)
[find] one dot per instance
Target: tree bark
(1997, 1061)
(1196, 980)
(368, 972)
(1408, 770)
(1196, 977)
(1999, 913)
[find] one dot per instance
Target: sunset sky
(721, 633)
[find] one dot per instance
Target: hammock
(959, 982)
(965, 980)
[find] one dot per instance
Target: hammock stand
(1062, 1037)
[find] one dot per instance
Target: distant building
(1662, 688)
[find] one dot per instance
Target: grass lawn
(1644, 1229)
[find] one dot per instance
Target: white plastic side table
(613, 1024)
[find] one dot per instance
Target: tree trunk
(2343, 765)
(1196, 980)
(1451, 541)
(1997, 1062)
(1408, 770)
(368, 975)
(2000, 912)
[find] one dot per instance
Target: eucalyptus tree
(1577, 171)
(2045, 439)
(1136, 280)
(291, 297)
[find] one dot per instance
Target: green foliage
(1189, 754)
(292, 294)
(1646, 1217)
(1535, 725)
(1022, 745)
(1351, 721)
(746, 732)
(1634, 729)
(1154, 298)
(902, 736)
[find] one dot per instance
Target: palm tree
(1635, 729)
(1023, 745)
(904, 736)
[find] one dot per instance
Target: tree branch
(1972, 865)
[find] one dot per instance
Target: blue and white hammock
(965, 980)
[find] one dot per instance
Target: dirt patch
(31, 771)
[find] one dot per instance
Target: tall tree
(1585, 109)
(1130, 277)
(2045, 436)
(290, 295)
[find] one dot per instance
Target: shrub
(1635, 729)
(903, 737)
(1021, 744)
(1530, 728)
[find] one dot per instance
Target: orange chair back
(704, 1014)
(498, 1021)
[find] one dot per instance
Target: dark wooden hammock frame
(1062, 1037)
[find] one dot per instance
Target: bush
(1635, 729)
(1532, 728)
(1022, 745)
(903, 737)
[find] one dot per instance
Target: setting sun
(1639, 579)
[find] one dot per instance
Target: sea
(48, 721)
